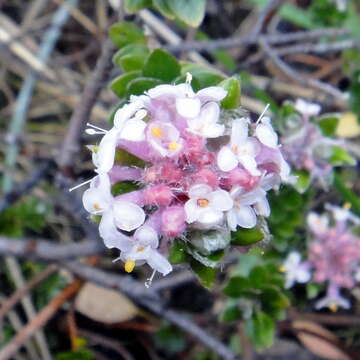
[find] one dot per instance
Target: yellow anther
(235, 148)
(203, 202)
(282, 268)
(333, 307)
(129, 266)
(157, 132)
(140, 249)
(173, 146)
(347, 206)
(97, 207)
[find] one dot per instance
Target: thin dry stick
(39, 321)
(8, 304)
(292, 74)
(209, 45)
(83, 109)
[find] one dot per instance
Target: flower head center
(203, 202)
(173, 146)
(129, 266)
(140, 249)
(97, 207)
(156, 132)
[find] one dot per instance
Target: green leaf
(313, 290)
(232, 99)
(340, 156)
(245, 237)
(177, 253)
(119, 84)
(303, 180)
(206, 242)
(261, 329)
(82, 354)
(273, 300)
(124, 33)
(131, 62)
(191, 12)
(131, 49)
(236, 286)
(124, 158)
(141, 84)
(258, 277)
(205, 274)
(232, 312)
(347, 194)
(132, 6)
(163, 7)
(170, 339)
(161, 65)
(328, 125)
(245, 264)
(123, 187)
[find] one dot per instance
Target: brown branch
(17, 295)
(39, 321)
(292, 74)
(83, 109)
(49, 251)
(149, 299)
(209, 45)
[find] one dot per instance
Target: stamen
(333, 307)
(188, 78)
(142, 113)
(262, 114)
(96, 127)
(173, 146)
(97, 207)
(149, 281)
(94, 132)
(129, 266)
(77, 186)
(202, 202)
(157, 132)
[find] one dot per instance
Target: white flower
(333, 299)
(266, 134)
(318, 224)
(207, 206)
(128, 125)
(144, 245)
(164, 138)
(242, 214)
(242, 149)
(306, 108)
(206, 124)
(294, 270)
(342, 214)
(116, 214)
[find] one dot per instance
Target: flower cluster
(333, 256)
(199, 172)
(306, 148)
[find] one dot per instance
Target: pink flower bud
(206, 176)
(159, 195)
(173, 221)
(241, 177)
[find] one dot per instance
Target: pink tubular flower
(192, 178)
(334, 253)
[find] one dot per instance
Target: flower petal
(210, 216)
(159, 262)
(128, 216)
(226, 159)
(146, 235)
(104, 157)
(199, 190)
(239, 131)
(112, 237)
(220, 200)
(188, 107)
(266, 134)
(211, 93)
(213, 130)
(123, 114)
(249, 163)
(133, 130)
(232, 219)
(262, 206)
(246, 217)
(191, 211)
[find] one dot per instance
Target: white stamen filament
(149, 281)
(141, 114)
(103, 131)
(262, 114)
(77, 186)
(188, 78)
